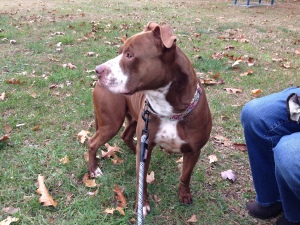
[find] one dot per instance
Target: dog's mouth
(114, 86)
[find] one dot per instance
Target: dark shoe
(255, 210)
(284, 221)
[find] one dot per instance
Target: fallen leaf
(8, 220)
(45, 199)
(256, 92)
(277, 60)
(65, 160)
(150, 178)
(83, 135)
(122, 202)
(228, 174)
(250, 71)
(286, 65)
(90, 54)
(2, 96)
(193, 219)
(233, 90)
(69, 66)
(11, 210)
(180, 160)
(110, 151)
(109, 210)
(222, 140)
(36, 127)
(241, 147)
(116, 160)
(86, 156)
(212, 159)
(7, 128)
(123, 39)
(94, 193)
(120, 210)
(88, 182)
(4, 137)
(236, 63)
(156, 199)
(33, 94)
(14, 81)
(297, 52)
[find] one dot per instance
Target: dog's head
(143, 63)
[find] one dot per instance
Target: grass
(63, 111)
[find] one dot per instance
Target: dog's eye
(129, 55)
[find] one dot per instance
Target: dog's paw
(146, 209)
(96, 173)
(185, 195)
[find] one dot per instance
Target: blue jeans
(273, 144)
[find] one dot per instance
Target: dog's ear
(165, 32)
(167, 36)
(150, 26)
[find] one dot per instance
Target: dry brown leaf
(14, 81)
(222, 140)
(69, 66)
(123, 39)
(120, 210)
(256, 92)
(8, 220)
(65, 160)
(90, 54)
(116, 160)
(286, 65)
(150, 178)
(88, 182)
(250, 71)
(11, 210)
(193, 219)
(36, 127)
(233, 90)
(212, 158)
(7, 128)
(86, 156)
(5, 137)
(180, 160)
(109, 210)
(45, 199)
(156, 199)
(122, 202)
(241, 147)
(2, 96)
(33, 94)
(110, 151)
(236, 63)
(83, 135)
(297, 52)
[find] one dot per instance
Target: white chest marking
(157, 100)
(167, 136)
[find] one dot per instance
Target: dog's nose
(101, 70)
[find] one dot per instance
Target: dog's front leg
(189, 161)
(146, 205)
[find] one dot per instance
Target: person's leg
(287, 169)
(265, 122)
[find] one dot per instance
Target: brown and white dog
(150, 67)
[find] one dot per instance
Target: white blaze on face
(116, 80)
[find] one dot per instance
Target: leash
(143, 157)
